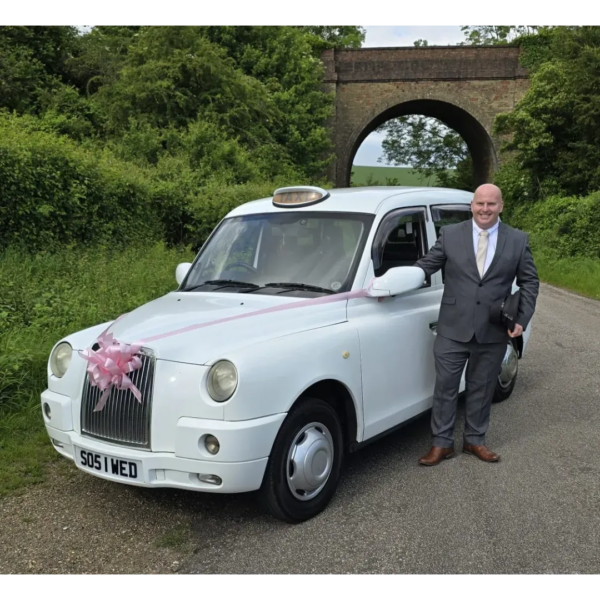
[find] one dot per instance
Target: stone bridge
(465, 87)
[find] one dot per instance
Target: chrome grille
(123, 419)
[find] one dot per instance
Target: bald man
(482, 257)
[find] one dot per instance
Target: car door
(395, 337)
(448, 214)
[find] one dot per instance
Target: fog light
(214, 479)
(57, 443)
(212, 444)
(47, 411)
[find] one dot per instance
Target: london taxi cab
(300, 332)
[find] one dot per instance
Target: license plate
(131, 470)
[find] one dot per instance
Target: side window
(448, 215)
(401, 240)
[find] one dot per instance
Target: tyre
(508, 373)
(305, 463)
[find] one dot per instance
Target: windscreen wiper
(224, 283)
(300, 286)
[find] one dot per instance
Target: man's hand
(516, 332)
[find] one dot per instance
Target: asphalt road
(536, 511)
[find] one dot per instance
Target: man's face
(486, 209)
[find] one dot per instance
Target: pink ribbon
(110, 365)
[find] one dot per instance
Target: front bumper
(240, 463)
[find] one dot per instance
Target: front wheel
(305, 463)
(508, 373)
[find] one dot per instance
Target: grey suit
(464, 328)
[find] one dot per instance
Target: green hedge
(55, 193)
(567, 226)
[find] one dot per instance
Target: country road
(537, 511)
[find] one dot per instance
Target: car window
(401, 240)
(317, 249)
(448, 215)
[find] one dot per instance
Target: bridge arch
(478, 140)
(465, 87)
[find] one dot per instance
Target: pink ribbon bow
(109, 366)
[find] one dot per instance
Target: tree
(421, 43)
(51, 46)
(172, 75)
(32, 59)
(430, 148)
(555, 129)
(494, 35)
(337, 37)
(286, 61)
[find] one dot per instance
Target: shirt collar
(478, 229)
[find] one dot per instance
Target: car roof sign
(303, 195)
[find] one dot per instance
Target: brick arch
(447, 110)
(463, 86)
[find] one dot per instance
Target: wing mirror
(396, 281)
(181, 271)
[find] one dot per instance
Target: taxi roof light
(299, 196)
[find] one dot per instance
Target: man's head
(486, 205)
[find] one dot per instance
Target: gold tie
(482, 251)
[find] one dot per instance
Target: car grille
(123, 419)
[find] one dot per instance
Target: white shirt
(492, 241)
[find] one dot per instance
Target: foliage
(50, 46)
(494, 35)
(32, 60)
(568, 225)
(421, 43)
(430, 148)
(155, 116)
(286, 61)
(328, 36)
(460, 178)
(260, 86)
(54, 193)
(555, 130)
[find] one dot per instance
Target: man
(482, 257)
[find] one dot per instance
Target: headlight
(222, 381)
(60, 359)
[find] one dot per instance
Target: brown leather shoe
(435, 456)
(481, 452)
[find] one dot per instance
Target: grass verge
(25, 450)
(580, 275)
(42, 299)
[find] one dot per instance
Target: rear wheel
(305, 463)
(508, 373)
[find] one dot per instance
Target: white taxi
(300, 332)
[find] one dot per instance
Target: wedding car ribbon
(110, 365)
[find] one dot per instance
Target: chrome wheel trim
(510, 367)
(309, 461)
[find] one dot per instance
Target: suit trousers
(483, 368)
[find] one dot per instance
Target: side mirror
(396, 281)
(181, 271)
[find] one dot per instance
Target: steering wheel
(241, 264)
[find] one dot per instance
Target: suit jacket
(468, 298)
